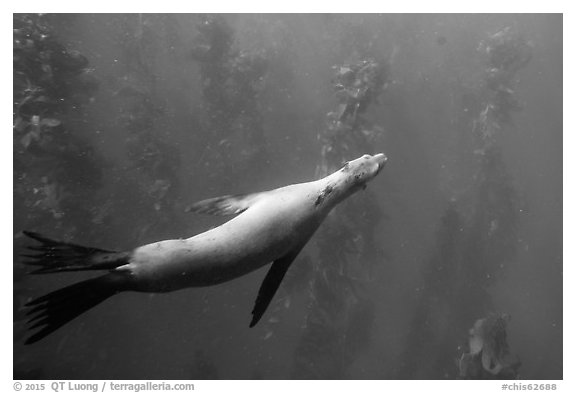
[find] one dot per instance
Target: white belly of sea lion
(266, 231)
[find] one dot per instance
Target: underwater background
(448, 266)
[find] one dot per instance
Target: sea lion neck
(334, 188)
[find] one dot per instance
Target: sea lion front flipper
(224, 205)
(271, 283)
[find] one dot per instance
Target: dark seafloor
(120, 121)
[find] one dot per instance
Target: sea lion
(271, 226)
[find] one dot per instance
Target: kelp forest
(448, 265)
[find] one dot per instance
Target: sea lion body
(270, 227)
(277, 222)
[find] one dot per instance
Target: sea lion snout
(381, 160)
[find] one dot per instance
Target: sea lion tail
(55, 256)
(51, 311)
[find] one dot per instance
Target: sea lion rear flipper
(52, 311)
(224, 205)
(53, 256)
(271, 283)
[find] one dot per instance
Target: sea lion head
(352, 177)
(360, 171)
